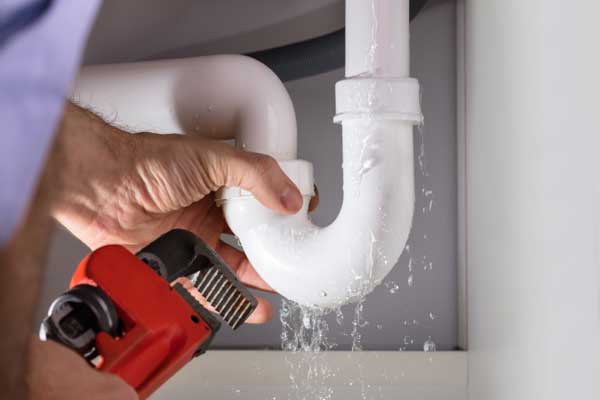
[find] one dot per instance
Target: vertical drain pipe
(377, 38)
(378, 105)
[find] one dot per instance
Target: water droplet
(411, 280)
(339, 316)
(306, 321)
(379, 327)
(209, 108)
(392, 286)
(432, 316)
(429, 345)
(323, 293)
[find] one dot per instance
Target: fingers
(261, 314)
(260, 175)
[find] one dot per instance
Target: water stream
(307, 334)
(306, 331)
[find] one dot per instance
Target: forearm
(21, 264)
(93, 157)
(22, 259)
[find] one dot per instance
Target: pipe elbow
(266, 119)
(238, 97)
(319, 267)
(222, 97)
(336, 264)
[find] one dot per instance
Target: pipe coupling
(299, 171)
(378, 98)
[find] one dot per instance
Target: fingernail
(291, 199)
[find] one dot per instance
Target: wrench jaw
(229, 299)
(179, 253)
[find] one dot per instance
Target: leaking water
(306, 332)
(304, 336)
(429, 345)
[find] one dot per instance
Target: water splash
(392, 287)
(429, 345)
(357, 323)
(369, 158)
(339, 316)
(305, 336)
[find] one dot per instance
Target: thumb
(261, 175)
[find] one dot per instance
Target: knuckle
(214, 166)
(263, 164)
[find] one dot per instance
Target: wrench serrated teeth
(223, 295)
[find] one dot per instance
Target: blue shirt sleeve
(40, 48)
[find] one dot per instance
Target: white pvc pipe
(223, 97)
(310, 265)
(347, 259)
(377, 38)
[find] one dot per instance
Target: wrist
(87, 161)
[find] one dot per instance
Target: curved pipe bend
(336, 264)
(223, 97)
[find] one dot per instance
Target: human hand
(129, 189)
(57, 373)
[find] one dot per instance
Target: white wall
(532, 76)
